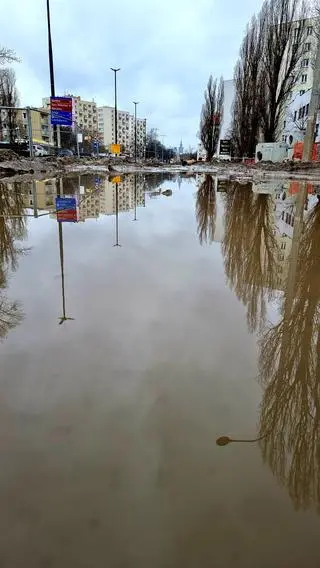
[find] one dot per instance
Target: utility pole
(115, 104)
(135, 130)
(155, 142)
(313, 110)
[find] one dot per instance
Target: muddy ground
(14, 166)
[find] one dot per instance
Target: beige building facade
(125, 128)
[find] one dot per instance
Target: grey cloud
(166, 51)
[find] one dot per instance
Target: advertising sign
(115, 148)
(67, 209)
(61, 111)
(225, 148)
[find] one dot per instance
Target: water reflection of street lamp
(117, 244)
(135, 198)
(63, 317)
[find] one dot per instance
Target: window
(284, 123)
(284, 138)
(307, 109)
(302, 92)
(307, 46)
(305, 63)
(295, 33)
(300, 113)
(309, 30)
(295, 116)
(283, 246)
(304, 78)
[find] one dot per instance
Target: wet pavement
(121, 365)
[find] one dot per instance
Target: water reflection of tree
(12, 228)
(206, 210)
(250, 249)
(290, 373)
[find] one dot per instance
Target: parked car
(64, 152)
(39, 151)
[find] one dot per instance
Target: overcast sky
(166, 50)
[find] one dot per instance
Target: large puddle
(120, 366)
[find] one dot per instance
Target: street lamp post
(50, 51)
(51, 69)
(135, 130)
(115, 104)
(162, 136)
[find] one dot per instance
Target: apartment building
(293, 123)
(84, 113)
(125, 128)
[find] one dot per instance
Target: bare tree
(267, 69)
(206, 210)
(250, 250)
(290, 373)
(283, 46)
(211, 116)
(9, 98)
(7, 56)
(248, 91)
(300, 122)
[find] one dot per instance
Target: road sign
(67, 209)
(61, 111)
(115, 148)
(116, 179)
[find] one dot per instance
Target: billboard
(61, 111)
(67, 209)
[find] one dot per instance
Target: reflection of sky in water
(109, 421)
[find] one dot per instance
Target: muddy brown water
(121, 365)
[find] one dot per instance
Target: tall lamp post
(115, 104)
(51, 69)
(135, 130)
(163, 137)
(50, 51)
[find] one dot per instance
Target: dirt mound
(7, 155)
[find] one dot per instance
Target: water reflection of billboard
(67, 209)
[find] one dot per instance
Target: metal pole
(162, 149)
(115, 104)
(117, 217)
(50, 51)
(34, 199)
(313, 110)
(29, 126)
(135, 130)
(77, 132)
(135, 197)
(51, 68)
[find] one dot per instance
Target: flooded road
(121, 365)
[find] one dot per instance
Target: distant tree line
(155, 149)
(267, 69)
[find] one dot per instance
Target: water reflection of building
(40, 194)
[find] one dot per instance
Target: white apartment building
(125, 128)
(84, 113)
(296, 113)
